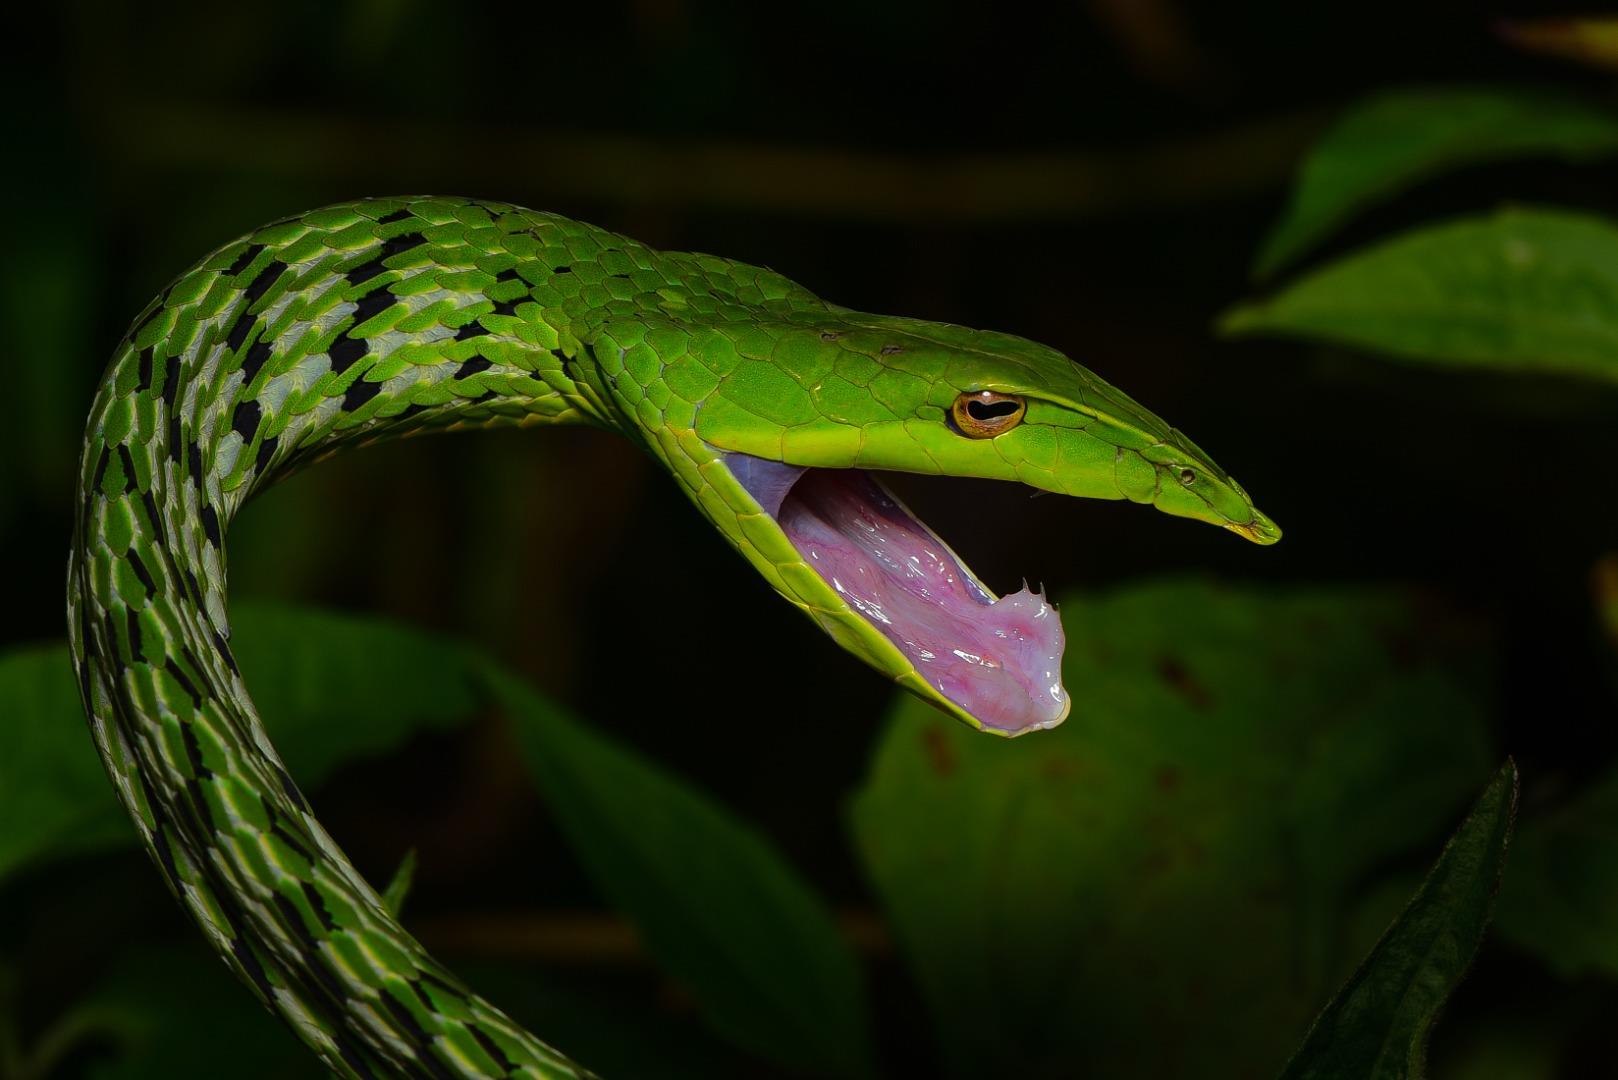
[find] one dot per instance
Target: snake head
(779, 433)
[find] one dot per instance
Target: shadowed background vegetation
(1365, 254)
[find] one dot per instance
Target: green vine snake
(771, 408)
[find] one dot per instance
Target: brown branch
(585, 937)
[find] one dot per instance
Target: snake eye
(1188, 477)
(985, 414)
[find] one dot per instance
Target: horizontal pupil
(984, 410)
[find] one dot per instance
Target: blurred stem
(62, 1038)
(54, 1044)
(814, 181)
(10, 1039)
(589, 938)
(1592, 41)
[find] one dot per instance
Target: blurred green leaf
(1517, 1032)
(334, 687)
(1167, 883)
(1504, 1053)
(590, 1012)
(176, 1012)
(1396, 139)
(173, 1011)
(1523, 290)
(713, 900)
(168, 1012)
(331, 687)
(716, 904)
(1561, 901)
(54, 795)
(1376, 1027)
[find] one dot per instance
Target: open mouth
(998, 659)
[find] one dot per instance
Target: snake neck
(344, 326)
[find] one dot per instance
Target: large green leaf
(1376, 1027)
(1561, 901)
(715, 903)
(172, 1012)
(331, 688)
(1522, 290)
(334, 687)
(176, 1012)
(54, 795)
(589, 1013)
(1165, 885)
(1395, 139)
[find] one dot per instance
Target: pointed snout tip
(1259, 529)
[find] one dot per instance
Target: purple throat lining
(1000, 660)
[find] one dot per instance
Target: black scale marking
(364, 272)
(239, 330)
(318, 904)
(254, 361)
(492, 1048)
(260, 285)
(171, 381)
(143, 574)
(109, 627)
(186, 684)
(158, 525)
(291, 916)
(132, 622)
(129, 467)
(372, 304)
(358, 393)
(244, 260)
(345, 353)
(246, 419)
(266, 450)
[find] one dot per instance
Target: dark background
(1096, 177)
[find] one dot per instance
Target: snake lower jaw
(1260, 530)
(997, 661)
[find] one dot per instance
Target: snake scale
(384, 317)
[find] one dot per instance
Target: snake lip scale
(772, 409)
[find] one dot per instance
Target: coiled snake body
(388, 317)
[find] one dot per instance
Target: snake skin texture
(342, 325)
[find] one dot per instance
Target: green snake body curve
(388, 317)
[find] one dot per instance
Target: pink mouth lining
(999, 660)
